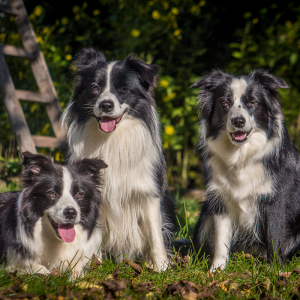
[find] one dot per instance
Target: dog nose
(70, 213)
(238, 122)
(106, 106)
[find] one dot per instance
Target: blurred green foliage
(185, 38)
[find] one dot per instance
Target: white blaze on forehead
(67, 182)
(238, 87)
(106, 91)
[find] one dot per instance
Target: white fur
(131, 218)
(223, 234)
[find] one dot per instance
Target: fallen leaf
(195, 286)
(267, 283)
(109, 277)
(188, 293)
(95, 262)
(284, 274)
(224, 287)
(296, 270)
(116, 273)
(137, 268)
(86, 285)
(247, 255)
(239, 275)
(233, 286)
(150, 295)
(113, 286)
(210, 274)
(214, 282)
(60, 298)
(173, 289)
(54, 272)
(280, 283)
(248, 272)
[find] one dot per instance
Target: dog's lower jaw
(223, 236)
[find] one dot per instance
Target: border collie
(112, 114)
(54, 220)
(252, 169)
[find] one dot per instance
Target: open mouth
(64, 232)
(239, 136)
(107, 124)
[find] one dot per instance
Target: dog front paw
(161, 265)
(218, 264)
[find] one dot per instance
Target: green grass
(188, 278)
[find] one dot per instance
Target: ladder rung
(32, 96)
(47, 141)
(16, 51)
(8, 10)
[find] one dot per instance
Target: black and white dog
(252, 169)
(112, 114)
(54, 220)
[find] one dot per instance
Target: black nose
(238, 122)
(106, 106)
(70, 213)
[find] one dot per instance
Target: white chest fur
(130, 153)
(239, 177)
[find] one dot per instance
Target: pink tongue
(107, 124)
(239, 135)
(67, 232)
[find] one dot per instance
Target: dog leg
(152, 224)
(274, 229)
(223, 236)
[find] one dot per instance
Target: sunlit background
(185, 38)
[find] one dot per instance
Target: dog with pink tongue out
(54, 221)
(112, 115)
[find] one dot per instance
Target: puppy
(112, 114)
(53, 221)
(252, 169)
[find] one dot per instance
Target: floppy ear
(146, 73)
(86, 58)
(207, 85)
(268, 81)
(33, 163)
(91, 166)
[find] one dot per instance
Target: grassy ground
(186, 278)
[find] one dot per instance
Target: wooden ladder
(12, 96)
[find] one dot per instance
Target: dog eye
(96, 88)
(251, 103)
(52, 194)
(225, 103)
(122, 89)
(79, 195)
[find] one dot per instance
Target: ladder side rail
(39, 66)
(14, 109)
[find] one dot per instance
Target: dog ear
(86, 58)
(146, 73)
(91, 166)
(33, 162)
(268, 81)
(207, 85)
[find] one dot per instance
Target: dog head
(64, 195)
(240, 106)
(111, 91)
